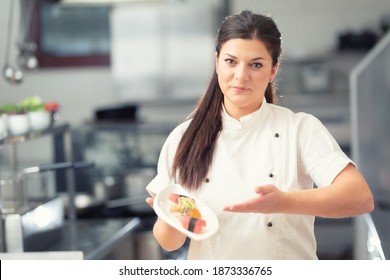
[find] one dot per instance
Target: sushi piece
(193, 224)
(184, 206)
(174, 197)
(194, 213)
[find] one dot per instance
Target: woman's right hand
(150, 201)
(168, 237)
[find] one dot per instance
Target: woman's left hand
(268, 199)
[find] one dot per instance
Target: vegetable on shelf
(32, 104)
(51, 106)
(30, 114)
(35, 103)
(12, 109)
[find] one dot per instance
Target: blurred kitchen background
(123, 73)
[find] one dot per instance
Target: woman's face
(244, 69)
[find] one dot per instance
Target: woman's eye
(229, 61)
(257, 65)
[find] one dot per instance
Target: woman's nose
(241, 73)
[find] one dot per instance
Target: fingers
(241, 207)
(229, 208)
(264, 189)
(234, 208)
(149, 201)
(245, 206)
(260, 203)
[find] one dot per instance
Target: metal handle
(56, 166)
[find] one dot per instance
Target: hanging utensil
(11, 74)
(27, 47)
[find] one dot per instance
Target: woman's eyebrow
(253, 59)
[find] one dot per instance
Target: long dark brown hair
(194, 154)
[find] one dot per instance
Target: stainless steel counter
(95, 237)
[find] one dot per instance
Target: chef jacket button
(271, 175)
(277, 135)
(269, 224)
(207, 180)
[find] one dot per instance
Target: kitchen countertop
(95, 238)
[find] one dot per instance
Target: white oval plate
(162, 206)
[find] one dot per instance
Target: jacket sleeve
(321, 155)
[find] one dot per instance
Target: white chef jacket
(270, 146)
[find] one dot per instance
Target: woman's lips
(240, 89)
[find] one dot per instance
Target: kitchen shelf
(17, 139)
(13, 235)
(62, 140)
(128, 127)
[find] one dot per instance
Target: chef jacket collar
(245, 121)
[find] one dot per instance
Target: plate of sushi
(184, 212)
